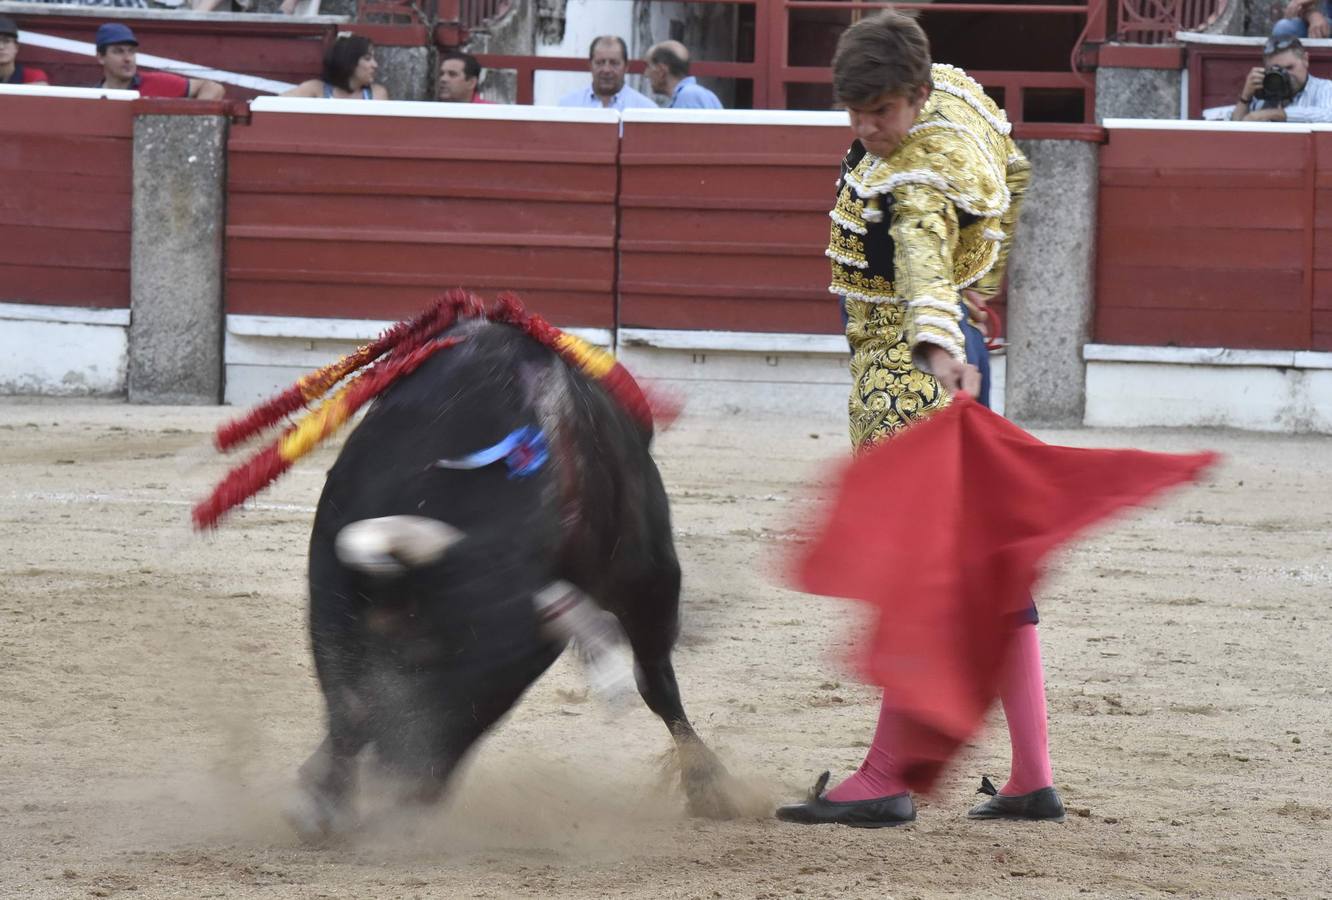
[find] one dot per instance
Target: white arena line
(123, 499)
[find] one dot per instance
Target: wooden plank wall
(65, 201)
(1321, 302)
(724, 226)
(370, 216)
(1206, 238)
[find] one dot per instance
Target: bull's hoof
(316, 818)
(711, 803)
(710, 791)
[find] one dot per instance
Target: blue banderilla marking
(524, 451)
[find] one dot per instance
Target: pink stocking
(1023, 694)
(876, 776)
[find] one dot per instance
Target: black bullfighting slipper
(878, 812)
(1038, 806)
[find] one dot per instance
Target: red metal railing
(476, 13)
(1156, 21)
(391, 12)
(772, 75)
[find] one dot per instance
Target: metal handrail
(1156, 21)
(477, 13)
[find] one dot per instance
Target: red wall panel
(66, 174)
(724, 226)
(1204, 239)
(372, 216)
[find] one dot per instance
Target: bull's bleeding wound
(397, 352)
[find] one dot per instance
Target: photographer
(1282, 90)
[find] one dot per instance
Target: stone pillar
(179, 213)
(1051, 286)
(1137, 93)
(406, 72)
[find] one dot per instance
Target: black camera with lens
(1278, 86)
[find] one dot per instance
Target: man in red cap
(117, 49)
(11, 72)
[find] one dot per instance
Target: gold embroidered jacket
(936, 216)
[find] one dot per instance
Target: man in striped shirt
(1312, 100)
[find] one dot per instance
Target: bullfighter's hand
(952, 374)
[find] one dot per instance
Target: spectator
(608, 58)
(11, 72)
(117, 50)
(668, 72)
(1304, 19)
(287, 7)
(458, 75)
(349, 73)
(1298, 97)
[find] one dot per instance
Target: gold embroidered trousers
(888, 392)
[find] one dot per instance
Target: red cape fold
(944, 529)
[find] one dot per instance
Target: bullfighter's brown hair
(887, 52)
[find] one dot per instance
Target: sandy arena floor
(156, 694)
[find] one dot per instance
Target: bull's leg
(321, 807)
(437, 718)
(704, 778)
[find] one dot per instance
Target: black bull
(419, 661)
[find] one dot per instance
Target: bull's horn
(391, 545)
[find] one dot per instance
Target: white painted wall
(714, 371)
(60, 351)
(266, 354)
(583, 21)
(1259, 390)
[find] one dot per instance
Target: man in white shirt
(1309, 98)
(609, 60)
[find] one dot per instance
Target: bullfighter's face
(882, 124)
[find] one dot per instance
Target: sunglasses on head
(1278, 45)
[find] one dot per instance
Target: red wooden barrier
(1206, 239)
(65, 192)
(369, 216)
(1320, 251)
(724, 225)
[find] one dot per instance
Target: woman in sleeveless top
(349, 73)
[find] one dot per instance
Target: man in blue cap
(117, 48)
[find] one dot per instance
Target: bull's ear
(391, 545)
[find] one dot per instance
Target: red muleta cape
(944, 529)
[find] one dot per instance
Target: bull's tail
(390, 545)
